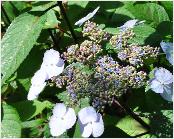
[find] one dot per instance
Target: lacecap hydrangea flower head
(162, 83)
(52, 65)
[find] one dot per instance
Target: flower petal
(52, 70)
(85, 129)
(89, 16)
(39, 77)
(56, 126)
(168, 92)
(59, 110)
(98, 127)
(60, 63)
(130, 24)
(69, 118)
(167, 48)
(87, 114)
(156, 86)
(169, 57)
(35, 90)
(163, 75)
(51, 57)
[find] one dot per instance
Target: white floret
(86, 18)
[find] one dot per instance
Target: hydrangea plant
(103, 79)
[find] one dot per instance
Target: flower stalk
(67, 20)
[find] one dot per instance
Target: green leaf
(77, 133)
(83, 102)
(63, 96)
(151, 12)
(131, 126)
(17, 42)
(142, 33)
(168, 6)
(29, 109)
(13, 8)
(47, 133)
(123, 127)
(42, 5)
(121, 14)
(112, 30)
(32, 123)
(52, 21)
(11, 124)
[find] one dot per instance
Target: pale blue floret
(162, 83)
(119, 43)
(137, 79)
(167, 48)
(130, 24)
(168, 93)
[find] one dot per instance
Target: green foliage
(42, 5)
(19, 39)
(84, 102)
(168, 6)
(123, 127)
(131, 126)
(142, 33)
(32, 123)
(158, 111)
(77, 133)
(151, 12)
(29, 109)
(11, 124)
(13, 9)
(63, 96)
(52, 21)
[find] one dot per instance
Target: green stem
(133, 115)
(67, 20)
(53, 38)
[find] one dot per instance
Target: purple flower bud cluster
(123, 77)
(79, 84)
(87, 51)
(96, 34)
(120, 40)
(75, 82)
(135, 54)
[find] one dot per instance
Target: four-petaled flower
(162, 83)
(167, 47)
(86, 18)
(90, 122)
(63, 118)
